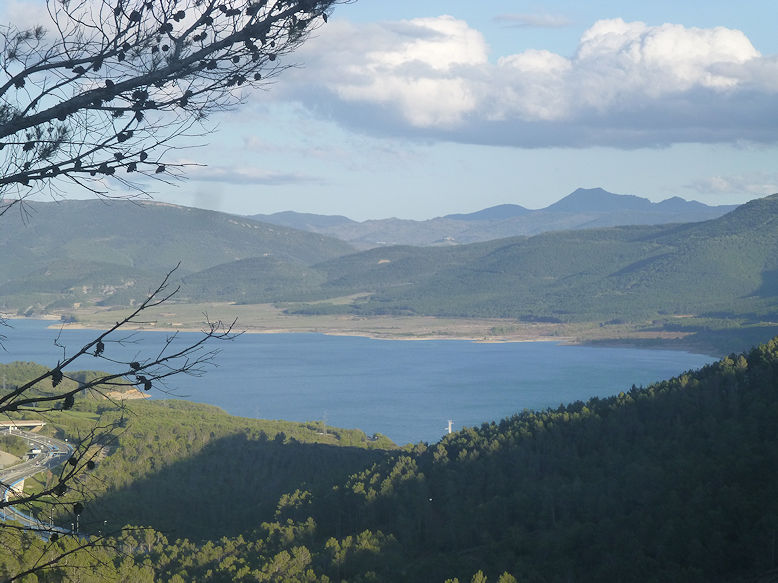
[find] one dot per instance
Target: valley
(607, 488)
(325, 291)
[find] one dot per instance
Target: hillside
(713, 279)
(724, 266)
(93, 251)
(671, 482)
(583, 208)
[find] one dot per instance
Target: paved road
(53, 452)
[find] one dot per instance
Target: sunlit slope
(93, 250)
(112, 253)
(253, 280)
(727, 264)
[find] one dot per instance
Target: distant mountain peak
(304, 221)
(599, 200)
(494, 213)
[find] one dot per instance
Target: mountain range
(724, 266)
(581, 209)
(722, 271)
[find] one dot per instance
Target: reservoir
(406, 390)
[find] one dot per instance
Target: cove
(406, 390)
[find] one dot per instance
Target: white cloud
(661, 59)
(419, 67)
(628, 84)
(757, 183)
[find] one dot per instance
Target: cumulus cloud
(412, 67)
(628, 84)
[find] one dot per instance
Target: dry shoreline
(269, 319)
(376, 335)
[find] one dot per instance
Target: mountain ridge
(583, 208)
(90, 250)
(721, 272)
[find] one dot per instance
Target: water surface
(407, 390)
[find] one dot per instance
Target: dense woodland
(671, 482)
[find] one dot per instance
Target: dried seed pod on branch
(102, 93)
(107, 88)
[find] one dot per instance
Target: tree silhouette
(110, 87)
(93, 99)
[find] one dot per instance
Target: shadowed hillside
(671, 482)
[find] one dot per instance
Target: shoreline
(374, 335)
(270, 319)
(409, 330)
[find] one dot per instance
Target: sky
(420, 108)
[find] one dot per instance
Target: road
(53, 453)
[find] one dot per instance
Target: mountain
(303, 221)
(723, 272)
(724, 266)
(495, 213)
(90, 250)
(583, 208)
(587, 200)
(719, 271)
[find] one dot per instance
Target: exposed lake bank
(269, 319)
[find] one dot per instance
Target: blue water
(405, 390)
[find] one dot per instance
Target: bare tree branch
(113, 83)
(100, 94)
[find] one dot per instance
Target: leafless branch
(111, 85)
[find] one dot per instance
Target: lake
(407, 390)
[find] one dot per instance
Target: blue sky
(416, 109)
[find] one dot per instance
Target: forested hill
(674, 482)
(725, 266)
(91, 250)
(671, 482)
(722, 272)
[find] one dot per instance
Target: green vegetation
(637, 274)
(18, 373)
(671, 482)
(194, 471)
(13, 444)
(162, 445)
(714, 282)
(114, 253)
